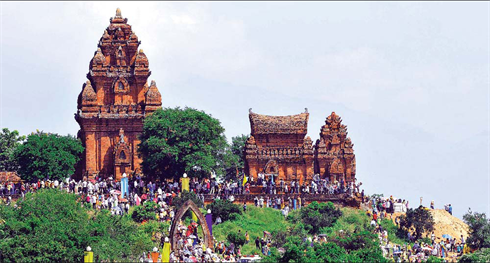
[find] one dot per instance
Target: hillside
(445, 223)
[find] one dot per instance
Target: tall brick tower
(114, 102)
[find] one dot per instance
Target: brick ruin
(278, 146)
(114, 102)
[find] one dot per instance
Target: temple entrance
(271, 170)
(174, 231)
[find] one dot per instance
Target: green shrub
(145, 212)
(482, 255)
(236, 238)
(433, 259)
(224, 209)
(51, 226)
(317, 215)
(179, 201)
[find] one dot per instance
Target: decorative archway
(208, 238)
(271, 167)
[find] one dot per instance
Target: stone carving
(119, 73)
(88, 93)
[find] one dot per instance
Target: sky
(410, 80)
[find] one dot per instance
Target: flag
(194, 217)
(88, 256)
(185, 184)
(166, 252)
(244, 180)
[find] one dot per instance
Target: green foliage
(482, 255)
(360, 248)
(420, 219)
(351, 220)
(317, 215)
(395, 235)
(51, 226)
(9, 141)
(236, 238)
(433, 259)
(175, 141)
(224, 209)
(357, 241)
(255, 221)
(234, 158)
(479, 229)
(145, 212)
(178, 201)
(46, 154)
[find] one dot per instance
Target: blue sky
(410, 80)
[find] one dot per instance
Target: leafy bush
(236, 238)
(144, 212)
(479, 229)
(421, 219)
(51, 226)
(433, 259)
(395, 235)
(317, 215)
(356, 241)
(224, 209)
(179, 201)
(478, 256)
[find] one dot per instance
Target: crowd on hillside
(442, 246)
(98, 191)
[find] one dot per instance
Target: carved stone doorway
(208, 238)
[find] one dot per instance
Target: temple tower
(334, 153)
(114, 102)
(278, 146)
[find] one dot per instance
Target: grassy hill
(256, 220)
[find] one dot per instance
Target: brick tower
(114, 102)
(334, 153)
(278, 146)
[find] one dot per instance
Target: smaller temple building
(278, 148)
(334, 153)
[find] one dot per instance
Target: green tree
(47, 154)
(176, 141)
(145, 211)
(234, 159)
(9, 141)
(224, 209)
(52, 226)
(421, 219)
(236, 238)
(317, 215)
(178, 201)
(482, 255)
(479, 229)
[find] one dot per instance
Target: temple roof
(291, 124)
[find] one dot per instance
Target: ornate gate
(208, 238)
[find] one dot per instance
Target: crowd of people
(443, 246)
(106, 193)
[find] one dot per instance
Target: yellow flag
(194, 217)
(245, 179)
(185, 184)
(88, 257)
(166, 252)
